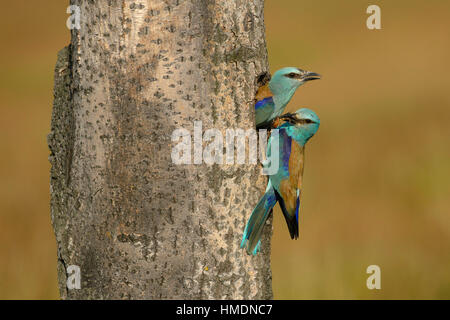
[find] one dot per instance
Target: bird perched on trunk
(285, 186)
(272, 97)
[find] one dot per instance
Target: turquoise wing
(263, 110)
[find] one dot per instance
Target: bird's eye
(292, 75)
(308, 121)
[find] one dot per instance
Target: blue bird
(272, 97)
(285, 186)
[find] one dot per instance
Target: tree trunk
(138, 225)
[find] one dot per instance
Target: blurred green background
(377, 177)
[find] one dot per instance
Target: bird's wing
(288, 180)
(264, 105)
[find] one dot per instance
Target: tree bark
(137, 225)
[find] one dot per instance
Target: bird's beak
(308, 76)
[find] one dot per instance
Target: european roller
(285, 186)
(272, 98)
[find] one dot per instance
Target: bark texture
(137, 225)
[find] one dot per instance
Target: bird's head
(285, 81)
(304, 122)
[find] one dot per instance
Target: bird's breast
(296, 161)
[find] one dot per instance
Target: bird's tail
(253, 229)
(291, 216)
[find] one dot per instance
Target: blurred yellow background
(377, 177)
